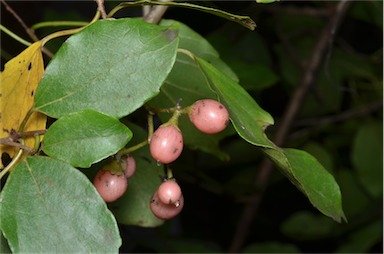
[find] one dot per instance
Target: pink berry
(130, 166)
(110, 186)
(209, 116)
(165, 211)
(169, 192)
(166, 144)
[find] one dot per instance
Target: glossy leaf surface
(311, 178)
(112, 66)
(85, 137)
(49, 206)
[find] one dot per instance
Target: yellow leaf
(19, 81)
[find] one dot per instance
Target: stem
(186, 52)
(101, 8)
(25, 120)
(70, 31)
(12, 163)
(129, 150)
(28, 30)
(58, 23)
(174, 120)
(59, 34)
(14, 36)
(156, 13)
(150, 127)
(169, 173)
(243, 20)
(37, 142)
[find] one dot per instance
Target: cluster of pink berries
(166, 144)
(208, 116)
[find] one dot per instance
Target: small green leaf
(49, 206)
(133, 208)
(316, 226)
(367, 157)
(364, 239)
(112, 66)
(248, 118)
(311, 178)
(85, 137)
(355, 197)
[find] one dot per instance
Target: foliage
(101, 90)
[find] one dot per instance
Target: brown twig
(324, 42)
(13, 138)
(311, 123)
(156, 13)
(101, 8)
(348, 114)
(28, 30)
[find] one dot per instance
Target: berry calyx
(166, 144)
(209, 116)
(128, 164)
(165, 211)
(169, 192)
(110, 186)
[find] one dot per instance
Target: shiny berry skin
(165, 211)
(110, 186)
(166, 144)
(169, 192)
(130, 166)
(209, 116)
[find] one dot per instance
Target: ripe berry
(169, 192)
(110, 186)
(165, 211)
(129, 166)
(166, 144)
(209, 116)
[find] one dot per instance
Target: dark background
(211, 213)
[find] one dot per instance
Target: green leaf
(49, 206)
(311, 178)
(355, 198)
(191, 89)
(85, 137)
(316, 226)
(243, 20)
(248, 118)
(321, 154)
(133, 207)
(367, 157)
(364, 239)
(112, 66)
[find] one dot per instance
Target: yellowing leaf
(19, 81)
